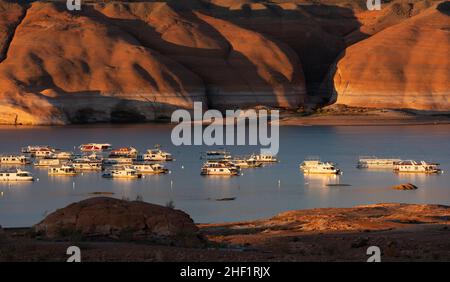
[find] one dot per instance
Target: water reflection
(321, 180)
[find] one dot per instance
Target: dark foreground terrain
(403, 232)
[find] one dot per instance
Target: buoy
(37, 179)
(1, 194)
(73, 185)
(171, 184)
(279, 182)
(182, 167)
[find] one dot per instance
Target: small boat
(216, 155)
(265, 158)
(315, 166)
(374, 162)
(126, 172)
(130, 152)
(17, 175)
(219, 168)
(86, 164)
(150, 168)
(157, 155)
(95, 147)
(14, 160)
(411, 166)
(68, 170)
(48, 162)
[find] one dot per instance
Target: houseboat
(14, 160)
(95, 147)
(246, 163)
(32, 149)
(68, 170)
(48, 162)
(130, 152)
(150, 168)
(157, 155)
(117, 161)
(86, 164)
(63, 155)
(44, 153)
(411, 166)
(219, 168)
(315, 166)
(17, 175)
(216, 155)
(377, 163)
(126, 173)
(265, 158)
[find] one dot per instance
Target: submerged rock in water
(110, 218)
(407, 186)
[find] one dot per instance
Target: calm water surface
(258, 192)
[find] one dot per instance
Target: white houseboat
(63, 155)
(95, 147)
(126, 173)
(48, 162)
(17, 175)
(150, 168)
(86, 164)
(216, 155)
(265, 158)
(246, 163)
(130, 152)
(377, 163)
(68, 170)
(14, 160)
(411, 166)
(157, 155)
(219, 168)
(315, 166)
(32, 149)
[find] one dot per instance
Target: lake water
(258, 191)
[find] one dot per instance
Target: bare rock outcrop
(110, 218)
(404, 66)
(407, 186)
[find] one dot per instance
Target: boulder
(407, 186)
(110, 218)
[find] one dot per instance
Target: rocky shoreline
(403, 232)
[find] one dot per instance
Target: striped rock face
(404, 66)
(135, 62)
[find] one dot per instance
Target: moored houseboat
(14, 160)
(412, 166)
(126, 173)
(86, 164)
(150, 168)
(95, 147)
(48, 162)
(265, 158)
(16, 175)
(315, 166)
(67, 170)
(219, 168)
(377, 163)
(157, 155)
(129, 152)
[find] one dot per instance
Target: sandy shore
(340, 115)
(402, 232)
